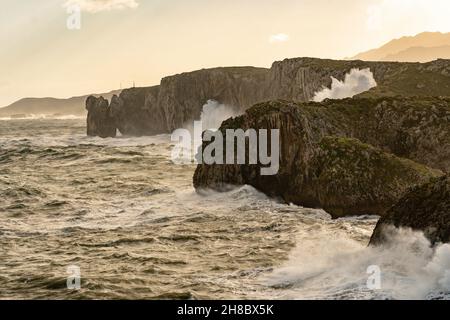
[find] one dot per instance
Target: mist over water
(131, 220)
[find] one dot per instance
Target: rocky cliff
(425, 208)
(347, 156)
(179, 99)
(99, 119)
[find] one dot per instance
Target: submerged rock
(345, 156)
(425, 208)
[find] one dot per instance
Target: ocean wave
(330, 265)
(43, 117)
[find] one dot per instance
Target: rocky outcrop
(179, 99)
(344, 155)
(426, 208)
(99, 120)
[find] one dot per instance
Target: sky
(49, 48)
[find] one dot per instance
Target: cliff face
(425, 208)
(99, 120)
(344, 156)
(179, 99)
(51, 106)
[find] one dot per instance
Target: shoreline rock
(425, 208)
(345, 156)
(99, 120)
(179, 99)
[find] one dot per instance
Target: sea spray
(333, 265)
(356, 81)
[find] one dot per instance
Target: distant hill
(424, 47)
(420, 54)
(50, 106)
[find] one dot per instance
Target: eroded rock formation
(343, 155)
(425, 208)
(179, 99)
(99, 120)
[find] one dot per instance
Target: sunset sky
(121, 41)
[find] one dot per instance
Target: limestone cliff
(298, 79)
(99, 119)
(425, 208)
(179, 99)
(344, 155)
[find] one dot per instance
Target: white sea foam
(330, 264)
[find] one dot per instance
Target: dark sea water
(130, 220)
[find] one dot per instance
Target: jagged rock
(426, 208)
(99, 120)
(352, 178)
(129, 113)
(179, 99)
(319, 168)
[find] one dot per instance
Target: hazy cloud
(279, 37)
(102, 5)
